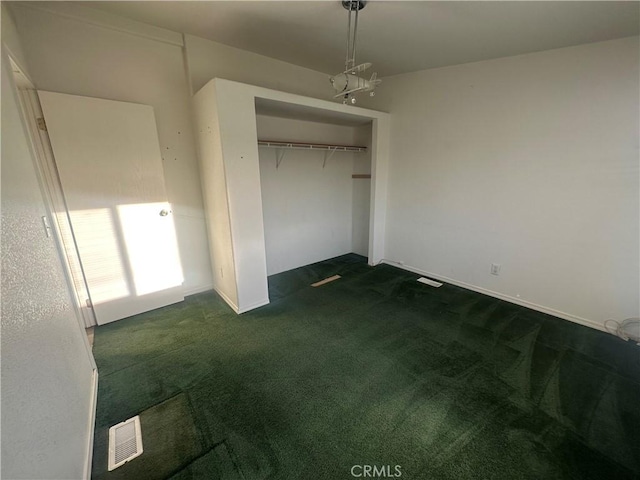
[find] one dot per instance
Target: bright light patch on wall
(98, 243)
(154, 265)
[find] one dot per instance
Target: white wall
(70, 56)
(47, 369)
(78, 51)
(307, 208)
(231, 125)
(207, 60)
(214, 187)
(530, 162)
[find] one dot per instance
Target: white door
(110, 167)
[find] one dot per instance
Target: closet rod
(311, 146)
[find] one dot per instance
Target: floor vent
(125, 442)
(427, 281)
(326, 280)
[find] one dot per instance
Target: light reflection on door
(154, 265)
(119, 259)
(96, 233)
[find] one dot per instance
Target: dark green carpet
(372, 369)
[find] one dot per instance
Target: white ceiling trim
(103, 19)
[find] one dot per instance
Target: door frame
(54, 198)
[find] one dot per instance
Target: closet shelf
(311, 146)
(328, 149)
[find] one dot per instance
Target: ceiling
(397, 36)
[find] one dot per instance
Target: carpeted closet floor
(372, 369)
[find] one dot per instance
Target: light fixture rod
(352, 6)
(355, 32)
(346, 63)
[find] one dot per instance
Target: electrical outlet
(495, 269)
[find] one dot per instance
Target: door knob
(164, 212)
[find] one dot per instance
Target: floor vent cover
(427, 281)
(125, 442)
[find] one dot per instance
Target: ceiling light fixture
(348, 83)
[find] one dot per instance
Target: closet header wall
(230, 174)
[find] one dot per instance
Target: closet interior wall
(313, 209)
(361, 188)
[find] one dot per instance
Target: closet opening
(287, 181)
(315, 175)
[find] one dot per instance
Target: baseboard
(200, 289)
(92, 423)
(507, 298)
(230, 302)
(261, 303)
